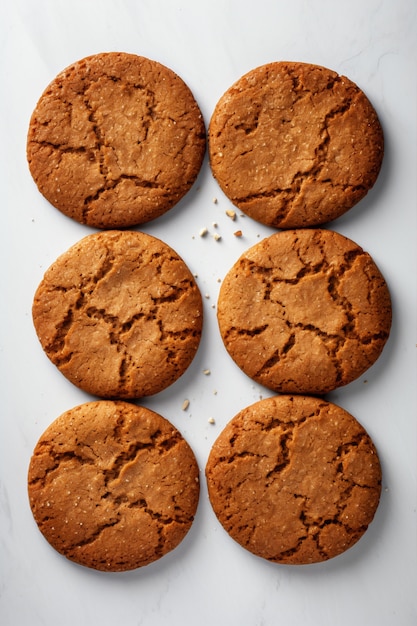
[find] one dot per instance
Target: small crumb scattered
(203, 232)
(214, 224)
(217, 237)
(219, 280)
(214, 200)
(185, 405)
(232, 214)
(215, 392)
(238, 233)
(207, 295)
(211, 420)
(206, 372)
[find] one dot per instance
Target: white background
(209, 579)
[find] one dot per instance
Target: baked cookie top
(294, 479)
(115, 140)
(113, 486)
(304, 311)
(119, 314)
(295, 144)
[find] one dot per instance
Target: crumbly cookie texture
(295, 144)
(119, 314)
(113, 486)
(304, 311)
(294, 479)
(115, 140)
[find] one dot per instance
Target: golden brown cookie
(113, 486)
(295, 144)
(294, 479)
(304, 311)
(115, 140)
(119, 314)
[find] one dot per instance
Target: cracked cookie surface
(119, 314)
(304, 311)
(295, 144)
(294, 479)
(113, 486)
(115, 140)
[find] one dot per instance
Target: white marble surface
(209, 579)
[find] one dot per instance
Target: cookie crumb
(238, 233)
(217, 237)
(203, 232)
(232, 214)
(214, 200)
(214, 224)
(206, 372)
(211, 420)
(185, 404)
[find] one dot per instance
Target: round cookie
(113, 486)
(115, 140)
(295, 144)
(294, 479)
(304, 311)
(119, 314)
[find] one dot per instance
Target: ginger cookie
(294, 479)
(113, 486)
(119, 314)
(295, 144)
(115, 140)
(304, 311)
